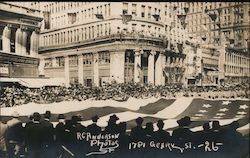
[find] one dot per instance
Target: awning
(210, 68)
(36, 82)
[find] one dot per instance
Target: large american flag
(151, 109)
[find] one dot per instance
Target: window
(143, 11)
(134, 9)
(48, 62)
(73, 60)
(87, 59)
(149, 12)
(104, 57)
(59, 61)
(125, 8)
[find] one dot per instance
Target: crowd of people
(39, 138)
(16, 95)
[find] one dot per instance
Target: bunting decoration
(99, 16)
(219, 26)
(213, 16)
(156, 16)
(139, 66)
(172, 25)
(180, 47)
(126, 18)
(72, 17)
(186, 10)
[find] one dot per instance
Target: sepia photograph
(124, 79)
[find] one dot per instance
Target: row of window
(56, 7)
(236, 70)
(237, 59)
(144, 9)
(103, 58)
(80, 16)
(77, 34)
(93, 31)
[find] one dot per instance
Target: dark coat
(94, 129)
(34, 136)
(48, 129)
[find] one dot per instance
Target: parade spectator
(34, 138)
(94, 128)
(3, 146)
(14, 135)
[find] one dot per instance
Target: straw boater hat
(15, 114)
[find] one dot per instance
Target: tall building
(220, 33)
(19, 35)
(94, 43)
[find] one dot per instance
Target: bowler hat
(36, 116)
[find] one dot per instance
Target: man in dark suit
(34, 138)
(94, 128)
(138, 132)
(183, 133)
(48, 135)
(161, 135)
(112, 127)
(14, 135)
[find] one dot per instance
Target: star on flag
(202, 111)
(217, 117)
(226, 102)
(241, 113)
(199, 115)
(220, 114)
(206, 106)
(244, 107)
(223, 110)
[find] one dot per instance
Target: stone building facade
(94, 43)
(220, 30)
(19, 35)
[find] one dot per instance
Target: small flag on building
(139, 66)
(213, 16)
(186, 10)
(126, 18)
(99, 16)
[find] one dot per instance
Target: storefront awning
(35, 82)
(210, 68)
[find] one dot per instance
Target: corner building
(93, 43)
(19, 35)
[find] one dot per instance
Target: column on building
(221, 64)
(34, 44)
(137, 66)
(96, 69)
(6, 39)
(41, 66)
(18, 42)
(159, 66)
(117, 66)
(151, 67)
(66, 71)
(24, 42)
(80, 69)
(54, 64)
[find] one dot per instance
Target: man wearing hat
(138, 132)
(34, 138)
(48, 139)
(161, 135)
(112, 127)
(183, 133)
(94, 128)
(14, 135)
